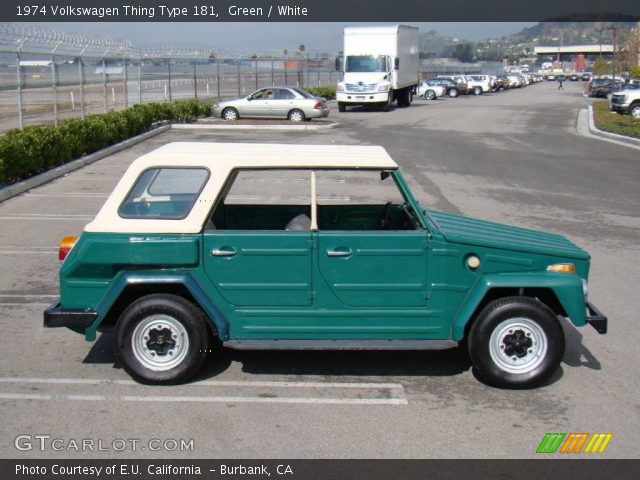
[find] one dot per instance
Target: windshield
(366, 63)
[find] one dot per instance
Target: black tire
(230, 114)
(634, 110)
(516, 342)
(477, 90)
(387, 105)
(430, 95)
(169, 315)
(296, 116)
(342, 107)
(453, 92)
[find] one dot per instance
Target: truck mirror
(337, 63)
(396, 63)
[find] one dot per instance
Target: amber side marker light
(66, 244)
(562, 268)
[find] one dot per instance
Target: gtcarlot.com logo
(574, 443)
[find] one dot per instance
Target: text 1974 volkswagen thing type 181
(310, 247)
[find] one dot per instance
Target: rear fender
(138, 278)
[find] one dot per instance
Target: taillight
(318, 106)
(66, 244)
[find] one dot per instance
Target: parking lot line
(70, 194)
(396, 392)
(204, 399)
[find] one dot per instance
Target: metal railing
(47, 76)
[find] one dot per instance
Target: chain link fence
(47, 76)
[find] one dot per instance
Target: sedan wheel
(230, 114)
(430, 95)
(453, 93)
(296, 116)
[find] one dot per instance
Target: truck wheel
(634, 110)
(516, 342)
(477, 90)
(161, 339)
(453, 92)
(387, 105)
(342, 107)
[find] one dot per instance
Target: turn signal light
(66, 244)
(562, 268)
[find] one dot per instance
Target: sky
(258, 37)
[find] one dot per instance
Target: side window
(282, 94)
(361, 200)
(264, 200)
(164, 193)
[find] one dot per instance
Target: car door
(258, 266)
(282, 103)
(257, 104)
(372, 273)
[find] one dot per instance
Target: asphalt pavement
(512, 157)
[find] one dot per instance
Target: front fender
(132, 278)
(568, 289)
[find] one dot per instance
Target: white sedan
(430, 90)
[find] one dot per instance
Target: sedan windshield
(366, 63)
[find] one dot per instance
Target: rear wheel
(430, 95)
(453, 92)
(516, 342)
(161, 339)
(477, 90)
(296, 116)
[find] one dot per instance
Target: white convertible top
(221, 159)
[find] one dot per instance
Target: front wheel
(161, 339)
(477, 90)
(453, 92)
(430, 95)
(516, 342)
(634, 110)
(342, 107)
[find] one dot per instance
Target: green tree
(464, 52)
(601, 67)
(634, 72)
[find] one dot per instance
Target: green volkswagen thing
(310, 247)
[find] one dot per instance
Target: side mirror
(396, 63)
(384, 174)
(249, 98)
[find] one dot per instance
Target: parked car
(502, 83)
(479, 84)
(292, 103)
(551, 77)
(193, 248)
(627, 101)
(602, 87)
(586, 76)
(573, 77)
(430, 90)
(453, 89)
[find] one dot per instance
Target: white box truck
(380, 66)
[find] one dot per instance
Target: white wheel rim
(635, 113)
(160, 342)
(295, 117)
(531, 346)
(230, 115)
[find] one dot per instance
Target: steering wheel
(385, 219)
(404, 208)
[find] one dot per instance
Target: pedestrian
(560, 80)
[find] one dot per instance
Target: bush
(609, 121)
(26, 152)
(327, 92)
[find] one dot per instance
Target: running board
(341, 344)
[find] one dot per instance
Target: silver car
(274, 102)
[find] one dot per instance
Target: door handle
(223, 253)
(339, 253)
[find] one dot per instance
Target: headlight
(384, 88)
(562, 268)
(340, 87)
(585, 289)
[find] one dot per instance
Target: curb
(204, 126)
(37, 180)
(613, 136)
